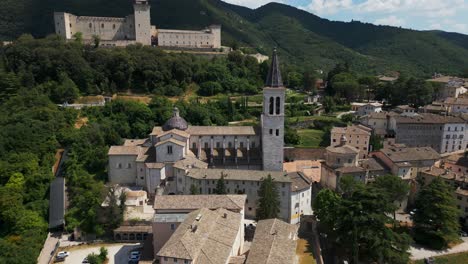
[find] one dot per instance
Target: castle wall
(209, 38)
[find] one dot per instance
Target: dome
(175, 122)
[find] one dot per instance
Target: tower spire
(274, 74)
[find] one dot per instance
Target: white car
(63, 254)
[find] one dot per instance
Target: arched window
(272, 105)
(278, 105)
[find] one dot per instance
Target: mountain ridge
(302, 38)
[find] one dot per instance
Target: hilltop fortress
(135, 28)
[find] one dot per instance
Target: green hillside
(303, 38)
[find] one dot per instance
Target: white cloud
(328, 6)
(251, 3)
(390, 21)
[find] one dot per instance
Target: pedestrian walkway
(421, 253)
(47, 251)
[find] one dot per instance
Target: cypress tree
(221, 185)
(269, 202)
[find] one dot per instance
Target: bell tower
(142, 21)
(272, 119)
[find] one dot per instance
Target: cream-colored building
(444, 134)
(358, 136)
(343, 160)
(134, 28)
(451, 86)
(294, 189)
(379, 122)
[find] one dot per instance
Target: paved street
(48, 248)
(420, 253)
(118, 253)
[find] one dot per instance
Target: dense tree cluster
(356, 222)
(65, 70)
(436, 215)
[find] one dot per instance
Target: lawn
(310, 138)
(458, 258)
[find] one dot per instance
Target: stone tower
(273, 118)
(142, 21)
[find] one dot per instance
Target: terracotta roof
(410, 154)
(193, 202)
(371, 164)
(380, 115)
(346, 149)
(124, 150)
(427, 118)
(171, 140)
(213, 130)
(456, 101)
(299, 181)
(175, 131)
(135, 142)
(274, 242)
(204, 237)
(310, 168)
(461, 191)
(242, 175)
(135, 193)
(350, 169)
(190, 162)
(135, 229)
(458, 159)
(354, 129)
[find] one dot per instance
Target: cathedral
(177, 146)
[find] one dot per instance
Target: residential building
(205, 236)
(405, 110)
(450, 86)
(357, 136)
(380, 123)
(456, 104)
(274, 242)
(457, 163)
(442, 133)
(406, 162)
(459, 183)
(342, 160)
(171, 211)
(362, 109)
(294, 188)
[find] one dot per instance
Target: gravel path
(118, 253)
(421, 253)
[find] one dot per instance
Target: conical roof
(176, 122)
(274, 74)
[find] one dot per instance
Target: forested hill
(303, 38)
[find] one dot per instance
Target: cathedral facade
(176, 145)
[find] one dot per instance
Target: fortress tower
(273, 118)
(142, 21)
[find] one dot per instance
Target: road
(48, 248)
(117, 253)
(421, 253)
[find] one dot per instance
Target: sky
(447, 15)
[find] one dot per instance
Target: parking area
(117, 253)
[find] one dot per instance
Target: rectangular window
(277, 132)
(218, 144)
(169, 150)
(172, 226)
(129, 166)
(271, 131)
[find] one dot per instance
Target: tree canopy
(269, 200)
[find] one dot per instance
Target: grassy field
(310, 138)
(458, 258)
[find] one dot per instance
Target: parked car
(134, 258)
(63, 254)
(59, 259)
(85, 261)
(430, 260)
(463, 234)
(135, 253)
